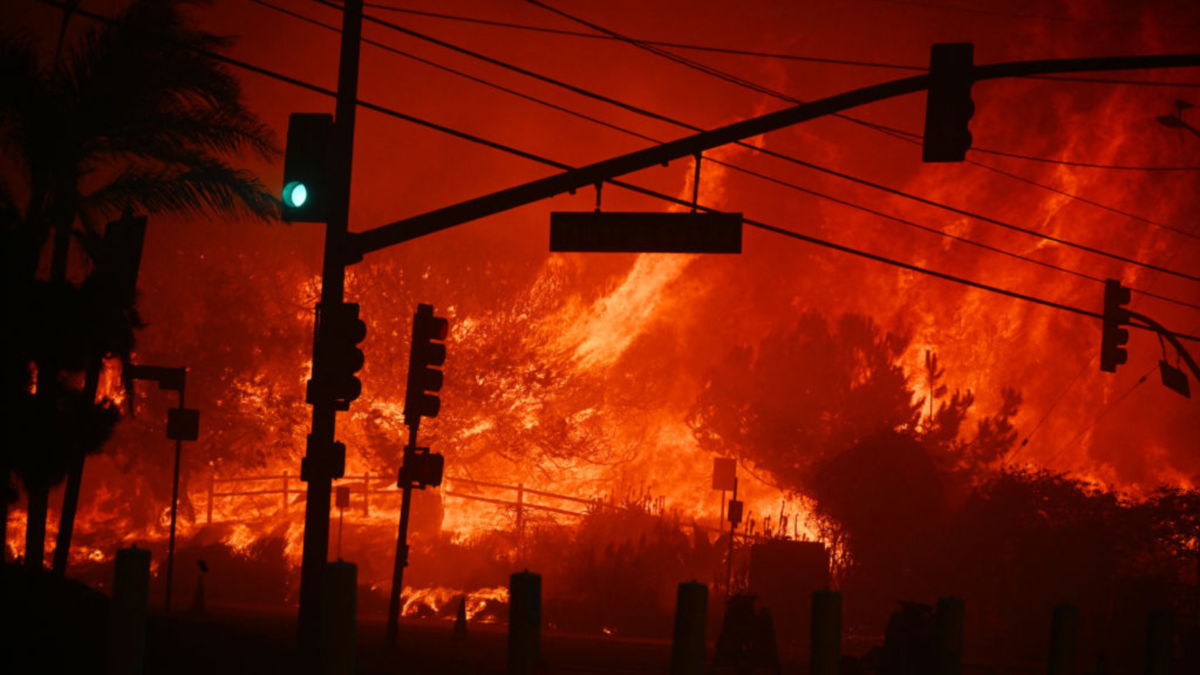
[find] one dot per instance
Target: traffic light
(1113, 337)
(337, 460)
(306, 168)
(333, 458)
(339, 331)
(121, 256)
(948, 108)
(421, 468)
(427, 356)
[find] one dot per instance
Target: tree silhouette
(829, 412)
(804, 394)
(135, 116)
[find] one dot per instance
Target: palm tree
(136, 115)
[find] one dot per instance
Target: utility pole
(735, 517)
(319, 453)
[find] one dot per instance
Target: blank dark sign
(645, 232)
(183, 424)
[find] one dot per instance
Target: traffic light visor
(295, 194)
(441, 328)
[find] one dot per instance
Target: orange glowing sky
(615, 308)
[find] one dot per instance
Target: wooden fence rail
(367, 484)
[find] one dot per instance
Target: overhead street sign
(645, 232)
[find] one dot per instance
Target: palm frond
(177, 89)
(201, 188)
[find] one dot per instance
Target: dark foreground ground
(229, 640)
(61, 627)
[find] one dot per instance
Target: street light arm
(1162, 330)
(382, 237)
(168, 379)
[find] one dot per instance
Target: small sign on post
(735, 511)
(645, 232)
(183, 424)
(724, 473)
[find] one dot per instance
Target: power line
(917, 139)
(1085, 200)
(856, 179)
(675, 45)
(753, 86)
(745, 52)
(740, 169)
(447, 69)
(641, 111)
(629, 186)
(1062, 395)
(1087, 365)
(1014, 15)
(1070, 444)
(888, 130)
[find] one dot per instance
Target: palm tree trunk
(35, 526)
(62, 250)
(66, 519)
(48, 386)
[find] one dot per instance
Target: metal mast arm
(444, 218)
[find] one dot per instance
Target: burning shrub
(258, 572)
(619, 571)
(888, 498)
(1026, 540)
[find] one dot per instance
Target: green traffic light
(295, 194)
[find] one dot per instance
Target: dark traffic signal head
(329, 459)
(948, 108)
(121, 256)
(421, 468)
(306, 168)
(424, 361)
(1113, 337)
(339, 331)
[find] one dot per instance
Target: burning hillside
(887, 414)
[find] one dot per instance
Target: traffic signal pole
(419, 468)
(1171, 337)
(401, 560)
(318, 454)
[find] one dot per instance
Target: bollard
(127, 621)
(524, 623)
(1064, 639)
(198, 596)
(460, 620)
(691, 622)
(1160, 643)
(339, 590)
(949, 622)
(825, 650)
